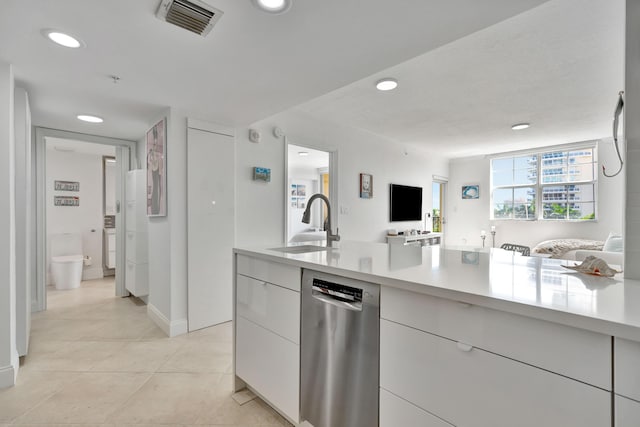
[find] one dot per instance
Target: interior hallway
(95, 359)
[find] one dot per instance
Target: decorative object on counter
(524, 250)
(366, 186)
(66, 201)
(66, 186)
(470, 191)
(595, 266)
(261, 174)
(156, 169)
(483, 235)
(493, 236)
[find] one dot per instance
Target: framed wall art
(157, 169)
(470, 191)
(366, 186)
(66, 185)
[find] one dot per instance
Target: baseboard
(92, 273)
(171, 328)
(8, 376)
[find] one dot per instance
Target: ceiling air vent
(194, 15)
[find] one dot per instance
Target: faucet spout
(306, 217)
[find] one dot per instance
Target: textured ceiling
(252, 64)
(559, 66)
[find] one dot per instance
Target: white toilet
(66, 260)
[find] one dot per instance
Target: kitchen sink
(301, 249)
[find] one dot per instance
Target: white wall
(24, 218)
(168, 235)
(87, 170)
(632, 134)
(260, 213)
(465, 218)
(8, 352)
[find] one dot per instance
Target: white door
(210, 229)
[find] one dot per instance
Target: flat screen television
(405, 203)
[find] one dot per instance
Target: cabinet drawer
(627, 412)
(576, 353)
(273, 307)
(279, 274)
(136, 218)
(627, 368)
(111, 259)
(471, 387)
(270, 365)
(396, 412)
(136, 278)
(136, 246)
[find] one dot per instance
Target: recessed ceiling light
(90, 119)
(520, 126)
(387, 84)
(273, 6)
(63, 39)
(303, 153)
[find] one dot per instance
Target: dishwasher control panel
(345, 293)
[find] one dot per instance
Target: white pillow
(614, 243)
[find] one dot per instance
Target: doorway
(438, 190)
(64, 198)
(309, 171)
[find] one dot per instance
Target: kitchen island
(466, 338)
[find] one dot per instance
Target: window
(553, 185)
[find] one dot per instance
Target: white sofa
(578, 249)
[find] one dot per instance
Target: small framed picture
(470, 191)
(262, 174)
(366, 186)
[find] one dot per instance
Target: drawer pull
(464, 304)
(464, 347)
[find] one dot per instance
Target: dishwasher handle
(336, 301)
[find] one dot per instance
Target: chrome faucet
(306, 218)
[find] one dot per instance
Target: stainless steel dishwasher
(339, 351)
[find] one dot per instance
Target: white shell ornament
(595, 266)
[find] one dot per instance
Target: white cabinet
(627, 412)
(275, 308)
(575, 353)
(475, 366)
(137, 268)
(428, 239)
(627, 374)
(470, 387)
(267, 331)
(395, 412)
(109, 247)
(270, 365)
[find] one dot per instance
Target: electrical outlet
(344, 210)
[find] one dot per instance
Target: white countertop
(530, 286)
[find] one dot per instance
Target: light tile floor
(97, 360)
